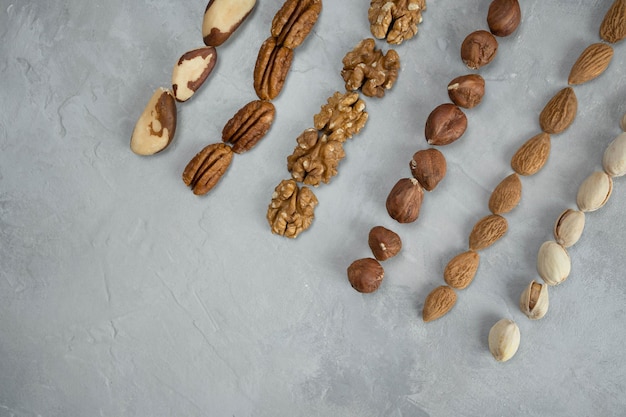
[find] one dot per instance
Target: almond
(438, 303)
(506, 195)
(559, 112)
(591, 63)
(613, 27)
(461, 269)
(532, 156)
(487, 231)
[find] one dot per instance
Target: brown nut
(294, 21)
(560, 112)
(156, 126)
(503, 17)
(205, 169)
(365, 275)
(438, 303)
(222, 18)
(428, 166)
(291, 210)
(613, 27)
(315, 159)
(342, 116)
(367, 68)
(249, 125)
(271, 69)
(395, 21)
(467, 90)
(487, 231)
(478, 49)
(445, 124)
(384, 243)
(191, 71)
(404, 200)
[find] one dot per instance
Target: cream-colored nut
(157, 124)
(614, 159)
(553, 263)
(594, 192)
(504, 340)
(191, 71)
(569, 227)
(222, 18)
(534, 301)
(622, 122)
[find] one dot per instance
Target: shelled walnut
(315, 159)
(291, 210)
(395, 20)
(368, 69)
(342, 116)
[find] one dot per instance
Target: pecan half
(294, 21)
(291, 210)
(315, 159)
(367, 68)
(249, 125)
(271, 68)
(204, 171)
(342, 116)
(395, 20)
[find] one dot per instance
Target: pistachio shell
(622, 123)
(569, 227)
(534, 301)
(594, 192)
(614, 159)
(504, 339)
(553, 263)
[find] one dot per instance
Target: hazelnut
(503, 17)
(467, 90)
(404, 200)
(428, 167)
(365, 275)
(445, 124)
(478, 49)
(384, 243)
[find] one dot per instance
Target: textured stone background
(122, 294)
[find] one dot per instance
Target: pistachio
(534, 301)
(569, 227)
(614, 159)
(553, 263)
(504, 339)
(622, 123)
(594, 192)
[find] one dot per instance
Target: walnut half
(368, 69)
(291, 210)
(395, 20)
(315, 158)
(342, 116)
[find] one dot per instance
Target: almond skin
(613, 27)
(591, 63)
(438, 303)
(532, 155)
(506, 195)
(559, 112)
(487, 231)
(460, 271)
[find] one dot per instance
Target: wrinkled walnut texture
(291, 210)
(342, 117)
(367, 68)
(395, 20)
(315, 158)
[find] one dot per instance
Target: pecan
(342, 117)
(395, 20)
(291, 210)
(294, 21)
(206, 168)
(367, 68)
(249, 125)
(270, 71)
(315, 159)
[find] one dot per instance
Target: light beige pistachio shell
(594, 192)
(614, 159)
(622, 122)
(504, 340)
(534, 301)
(569, 227)
(553, 263)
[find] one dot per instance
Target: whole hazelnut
(365, 275)
(467, 91)
(384, 243)
(404, 200)
(445, 124)
(478, 49)
(503, 17)
(428, 167)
